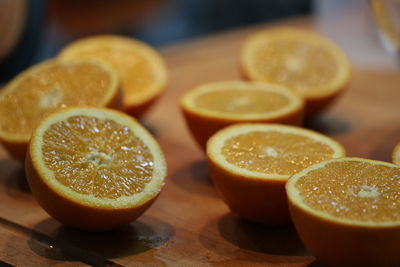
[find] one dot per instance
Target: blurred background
(42, 27)
(34, 30)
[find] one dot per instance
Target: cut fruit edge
(296, 200)
(151, 189)
(217, 141)
(341, 79)
(114, 84)
(296, 103)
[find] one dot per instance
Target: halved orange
(94, 169)
(396, 154)
(304, 61)
(34, 93)
(141, 69)
(210, 107)
(250, 164)
(346, 211)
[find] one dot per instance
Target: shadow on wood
(246, 241)
(195, 178)
(384, 149)
(12, 177)
(328, 124)
(280, 240)
(96, 248)
(317, 264)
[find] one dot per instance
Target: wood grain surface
(189, 225)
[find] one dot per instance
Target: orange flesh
(353, 190)
(54, 86)
(136, 73)
(239, 102)
(274, 152)
(97, 157)
(296, 64)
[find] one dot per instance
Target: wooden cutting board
(189, 225)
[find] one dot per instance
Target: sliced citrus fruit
(346, 211)
(94, 169)
(250, 164)
(26, 99)
(141, 69)
(396, 154)
(210, 107)
(301, 60)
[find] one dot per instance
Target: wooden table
(189, 225)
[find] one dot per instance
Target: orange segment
(346, 211)
(140, 67)
(85, 150)
(210, 107)
(94, 169)
(396, 155)
(250, 164)
(48, 86)
(303, 61)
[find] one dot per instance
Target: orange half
(50, 85)
(140, 67)
(250, 164)
(210, 107)
(346, 211)
(94, 169)
(304, 61)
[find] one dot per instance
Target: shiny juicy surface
(52, 87)
(353, 190)
(97, 157)
(241, 101)
(274, 152)
(299, 65)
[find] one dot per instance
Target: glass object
(387, 17)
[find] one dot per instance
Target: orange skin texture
(18, 150)
(75, 214)
(257, 200)
(202, 128)
(117, 101)
(140, 109)
(315, 106)
(347, 245)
